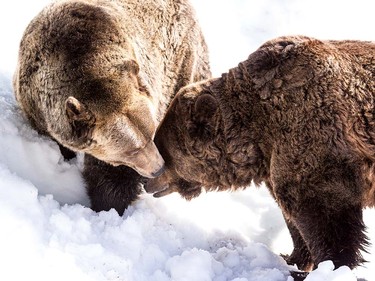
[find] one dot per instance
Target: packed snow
(48, 230)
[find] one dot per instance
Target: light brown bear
(298, 115)
(97, 76)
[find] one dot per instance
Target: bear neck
(241, 131)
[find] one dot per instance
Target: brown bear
(298, 115)
(97, 77)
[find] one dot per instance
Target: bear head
(91, 65)
(114, 120)
(189, 141)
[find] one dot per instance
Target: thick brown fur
(298, 115)
(97, 77)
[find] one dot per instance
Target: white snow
(49, 233)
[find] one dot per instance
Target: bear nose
(158, 173)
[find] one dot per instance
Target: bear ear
(76, 111)
(205, 107)
(204, 117)
(131, 66)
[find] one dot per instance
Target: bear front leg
(66, 152)
(109, 186)
(325, 206)
(336, 235)
(301, 255)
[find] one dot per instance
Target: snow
(48, 231)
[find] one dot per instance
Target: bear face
(177, 141)
(123, 137)
(114, 129)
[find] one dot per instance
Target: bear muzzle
(148, 162)
(161, 186)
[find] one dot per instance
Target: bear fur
(97, 77)
(298, 115)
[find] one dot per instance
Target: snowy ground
(49, 233)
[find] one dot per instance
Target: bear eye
(133, 152)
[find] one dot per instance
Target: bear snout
(157, 184)
(158, 173)
(148, 162)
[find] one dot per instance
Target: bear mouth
(158, 189)
(165, 192)
(117, 163)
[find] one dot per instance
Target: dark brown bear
(97, 76)
(298, 115)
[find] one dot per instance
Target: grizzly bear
(97, 76)
(298, 115)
